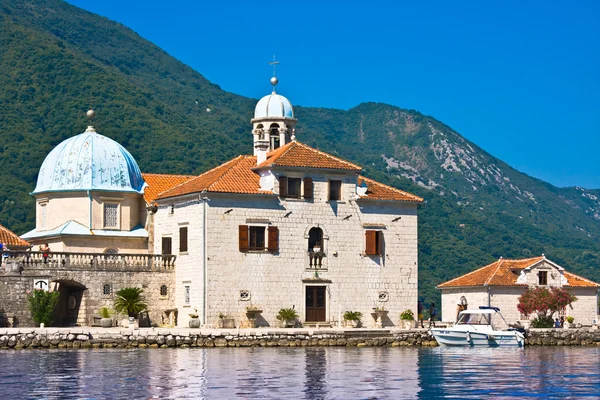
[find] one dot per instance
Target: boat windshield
(474, 319)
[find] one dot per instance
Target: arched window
(164, 290)
(274, 132)
(315, 239)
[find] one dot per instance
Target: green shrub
(407, 315)
(130, 301)
(542, 321)
(105, 312)
(42, 305)
(352, 315)
(570, 319)
(286, 314)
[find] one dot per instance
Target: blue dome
(89, 161)
(273, 105)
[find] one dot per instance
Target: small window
(335, 190)
(164, 290)
(257, 238)
(543, 277)
(172, 209)
(111, 215)
(294, 185)
(167, 245)
(244, 295)
(315, 239)
(187, 295)
(183, 239)
(107, 289)
(374, 243)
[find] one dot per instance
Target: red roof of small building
(158, 183)
(8, 238)
(505, 272)
(379, 191)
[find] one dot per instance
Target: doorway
(67, 311)
(316, 304)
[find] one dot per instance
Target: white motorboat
(474, 328)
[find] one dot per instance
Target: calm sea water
(297, 373)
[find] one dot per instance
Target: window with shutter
(166, 245)
(243, 238)
(308, 188)
(374, 243)
(293, 187)
(273, 239)
(183, 239)
(257, 238)
(283, 186)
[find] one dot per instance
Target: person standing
(420, 312)
(432, 314)
(45, 249)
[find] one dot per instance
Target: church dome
(273, 105)
(89, 161)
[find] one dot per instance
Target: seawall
(29, 338)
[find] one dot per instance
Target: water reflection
(310, 373)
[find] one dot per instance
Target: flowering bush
(544, 302)
(41, 305)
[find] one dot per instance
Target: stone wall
(162, 338)
(66, 338)
(87, 284)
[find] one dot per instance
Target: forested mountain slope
(56, 61)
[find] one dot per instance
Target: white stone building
(501, 283)
(288, 227)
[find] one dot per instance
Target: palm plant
(130, 301)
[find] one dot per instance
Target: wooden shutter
(308, 188)
(243, 236)
(166, 245)
(371, 246)
(183, 239)
(283, 186)
(379, 242)
(273, 244)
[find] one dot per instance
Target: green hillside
(57, 61)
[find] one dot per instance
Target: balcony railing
(316, 260)
(71, 260)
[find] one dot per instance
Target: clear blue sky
(519, 79)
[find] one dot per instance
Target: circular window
(244, 295)
(384, 296)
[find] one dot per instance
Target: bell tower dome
(273, 120)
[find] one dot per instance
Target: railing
(315, 260)
(71, 260)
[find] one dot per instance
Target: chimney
(261, 147)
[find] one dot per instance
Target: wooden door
(316, 304)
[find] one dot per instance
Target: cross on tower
(274, 64)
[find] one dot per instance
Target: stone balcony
(17, 261)
(317, 260)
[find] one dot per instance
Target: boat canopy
(484, 311)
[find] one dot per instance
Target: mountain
(58, 60)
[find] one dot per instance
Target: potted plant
(287, 316)
(106, 320)
(408, 317)
(194, 320)
(226, 322)
(569, 321)
(131, 302)
(378, 313)
(352, 318)
(252, 313)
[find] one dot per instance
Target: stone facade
(235, 280)
(83, 288)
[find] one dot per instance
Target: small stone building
(289, 227)
(500, 284)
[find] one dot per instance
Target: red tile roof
(505, 273)
(158, 183)
(239, 175)
(9, 239)
(235, 176)
(379, 191)
(296, 154)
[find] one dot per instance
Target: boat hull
(449, 337)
